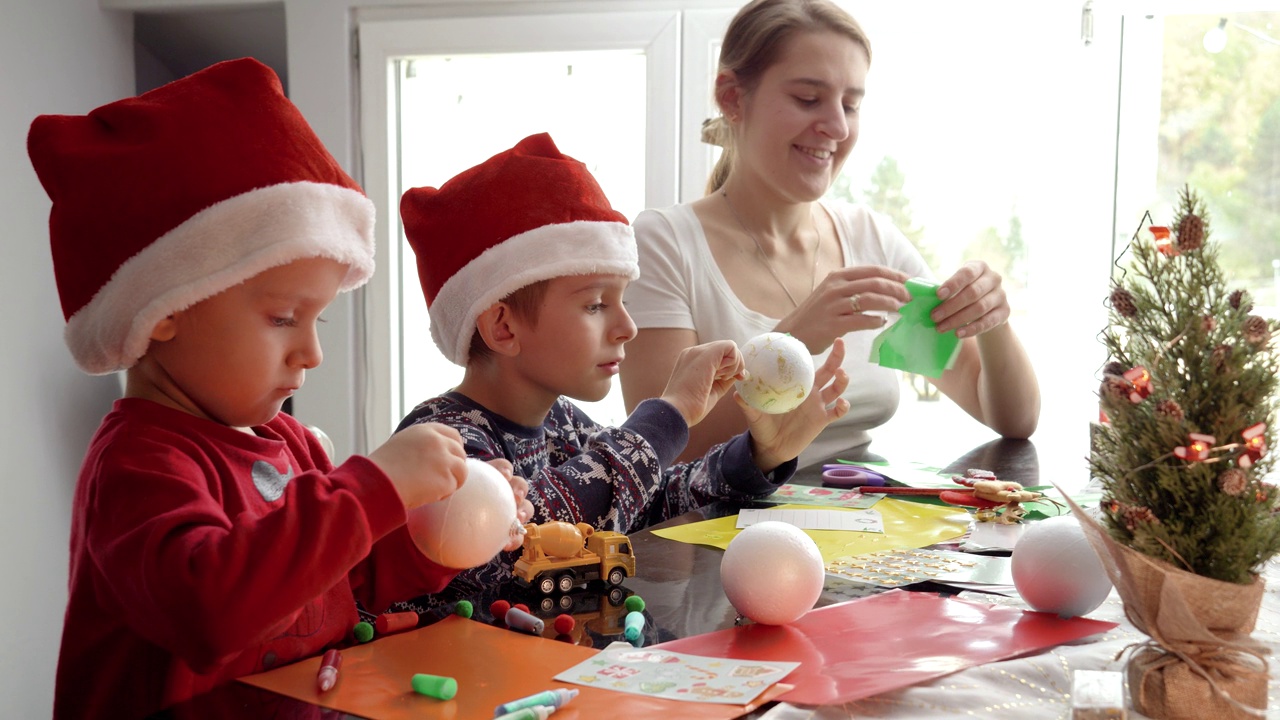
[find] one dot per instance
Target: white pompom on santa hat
(166, 199)
(524, 215)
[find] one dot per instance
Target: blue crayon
(537, 712)
(554, 699)
(633, 626)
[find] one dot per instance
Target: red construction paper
(492, 666)
(895, 639)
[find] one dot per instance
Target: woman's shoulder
(872, 236)
(857, 217)
(671, 221)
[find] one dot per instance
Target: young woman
(763, 252)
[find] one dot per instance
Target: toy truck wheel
(547, 584)
(547, 604)
(616, 576)
(566, 582)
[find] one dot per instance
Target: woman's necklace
(764, 259)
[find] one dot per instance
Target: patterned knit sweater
(619, 479)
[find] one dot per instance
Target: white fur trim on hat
(215, 249)
(543, 253)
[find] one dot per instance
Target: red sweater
(200, 554)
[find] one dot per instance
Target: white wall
(56, 56)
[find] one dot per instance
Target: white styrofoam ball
(470, 526)
(772, 572)
(780, 373)
(1056, 570)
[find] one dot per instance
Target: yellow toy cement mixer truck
(558, 556)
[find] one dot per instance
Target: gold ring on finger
(856, 302)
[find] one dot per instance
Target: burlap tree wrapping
(1188, 400)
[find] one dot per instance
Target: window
(988, 131)
(1200, 106)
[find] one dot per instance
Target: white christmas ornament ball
(470, 526)
(1056, 570)
(772, 572)
(779, 373)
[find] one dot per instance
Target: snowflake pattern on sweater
(579, 471)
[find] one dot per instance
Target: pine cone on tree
(1239, 299)
(1114, 368)
(1190, 233)
(1122, 302)
(1257, 330)
(1220, 356)
(1170, 409)
(1233, 481)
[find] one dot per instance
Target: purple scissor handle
(848, 476)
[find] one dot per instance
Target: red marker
(328, 675)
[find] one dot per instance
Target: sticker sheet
(815, 519)
(906, 567)
(821, 496)
(677, 676)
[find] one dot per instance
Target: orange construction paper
(492, 666)
(864, 647)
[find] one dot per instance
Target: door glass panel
(1204, 110)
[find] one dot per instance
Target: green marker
(436, 686)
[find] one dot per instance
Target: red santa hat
(524, 215)
(166, 199)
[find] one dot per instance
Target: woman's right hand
(842, 302)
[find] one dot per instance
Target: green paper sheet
(913, 343)
(906, 525)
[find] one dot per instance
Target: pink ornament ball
(772, 572)
(470, 526)
(1056, 570)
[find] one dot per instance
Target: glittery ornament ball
(1055, 569)
(772, 572)
(780, 373)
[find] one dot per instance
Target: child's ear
(497, 329)
(164, 330)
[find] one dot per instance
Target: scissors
(848, 476)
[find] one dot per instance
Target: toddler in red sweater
(198, 232)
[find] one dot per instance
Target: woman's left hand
(973, 301)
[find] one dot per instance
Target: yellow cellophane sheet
(907, 525)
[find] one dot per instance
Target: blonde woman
(762, 251)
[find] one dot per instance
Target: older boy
(198, 231)
(523, 263)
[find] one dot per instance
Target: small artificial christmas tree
(1188, 399)
(1190, 394)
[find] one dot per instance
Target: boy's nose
(308, 354)
(625, 330)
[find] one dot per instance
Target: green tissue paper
(913, 343)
